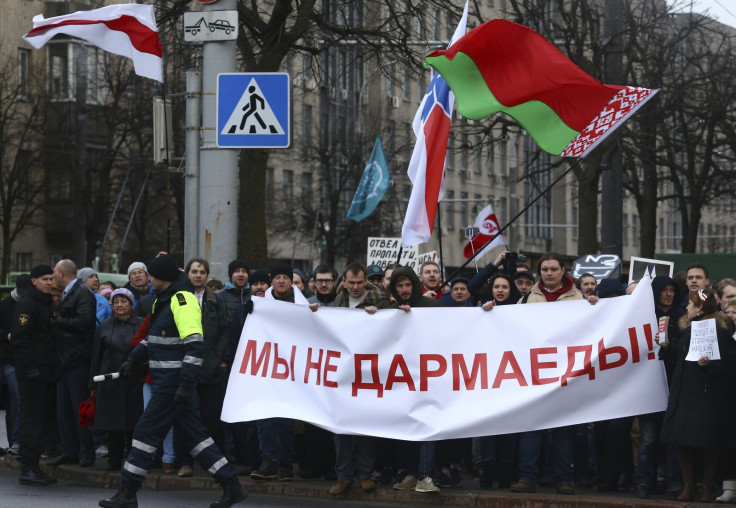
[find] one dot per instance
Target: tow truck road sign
(204, 26)
(253, 110)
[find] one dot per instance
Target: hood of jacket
(416, 285)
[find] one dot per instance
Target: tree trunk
(252, 236)
(647, 205)
(588, 175)
(690, 235)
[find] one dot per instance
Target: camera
(511, 261)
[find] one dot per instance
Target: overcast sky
(722, 10)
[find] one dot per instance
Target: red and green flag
(501, 66)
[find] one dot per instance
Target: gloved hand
(183, 394)
(33, 373)
(125, 369)
(248, 307)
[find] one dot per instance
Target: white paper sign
(443, 373)
(703, 341)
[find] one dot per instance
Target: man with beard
(406, 289)
(431, 278)
(324, 286)
(588, 284)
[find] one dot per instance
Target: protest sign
(443, 373)
(384, 251)
(703, 341)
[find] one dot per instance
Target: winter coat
(119, 401)
(103, 310)
(32, 336)
(7, 310)
(417, 298)
(537, 296)
(668, 354)
(75, 324)
(174, 344)
(215, 343)
(376, 297)
(700, 407)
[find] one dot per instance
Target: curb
(318, 489)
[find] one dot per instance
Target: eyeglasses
(730, 312)
(324, 281)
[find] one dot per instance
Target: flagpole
(523, 210)
(439, 236)
(401, 214)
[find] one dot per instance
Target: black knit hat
(41, 270)
(164, 268)
(260, 276)
(282, 269)
(234, 265)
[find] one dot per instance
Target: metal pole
(130, 220)
(218, 183)
(101, 252)
(523, 210)
(191, 169)
(439, 236)
(612, 187)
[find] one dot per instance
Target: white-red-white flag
(427, 165)
(124, 29)
(487, 223)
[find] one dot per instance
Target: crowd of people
(172, 333)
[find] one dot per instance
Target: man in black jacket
(74, 326)
(7, 365)
(34, 350)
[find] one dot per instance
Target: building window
(464, 208)
(464, 150)
(307, 190)
(24, 56)
(450, 154)
(288, 187)
(23, 261)
(450, 211)
(306, 131)
(490, 160)
(503, 157)
(59, 71)
(406, 86)
(478, 154)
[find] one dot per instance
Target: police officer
(34, 349)
(173, 349)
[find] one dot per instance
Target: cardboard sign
(703, 341)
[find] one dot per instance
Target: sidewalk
(466, 494)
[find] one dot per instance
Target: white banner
(441, 373)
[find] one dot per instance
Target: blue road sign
(253, 110)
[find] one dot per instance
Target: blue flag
(373, 185)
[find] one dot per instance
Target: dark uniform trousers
(151, 430)
(36, 405)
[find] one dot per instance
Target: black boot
(233, 493)
(123, 498)
(32, 475)
(486, 475)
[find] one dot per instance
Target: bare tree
(21, 183)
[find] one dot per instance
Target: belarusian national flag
(501, 66)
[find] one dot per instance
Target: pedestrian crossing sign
(253, 110)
